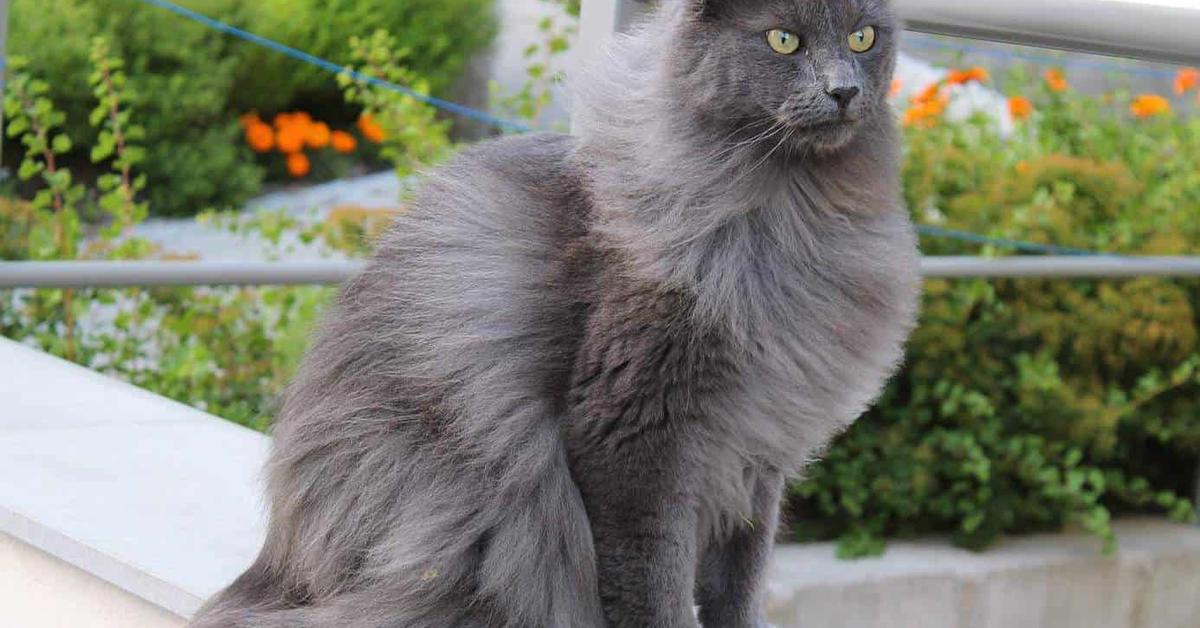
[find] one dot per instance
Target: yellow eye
(783, 42)
(863, 40)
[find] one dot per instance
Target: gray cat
(567, 389)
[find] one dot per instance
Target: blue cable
(1018, 245)
(324, 64)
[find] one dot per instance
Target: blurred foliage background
(191, 83)
(1032, 404)
(1024, 405)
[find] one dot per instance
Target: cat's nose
(842, 95)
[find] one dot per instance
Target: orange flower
(1148, 105)
(370, 129)
(928, 94)
(317, 135)
(926, 107)
(1056, 81)
(913, 116)
(290, 139)
(926, 113)
(1019, 107)
(298, 119)
(298, 165)
(260, 137)
(1186, 80)
(343, 142)
(1023, 167)
(977, 74)
(897, 85)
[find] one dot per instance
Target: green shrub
(438, 38)
(191, 83)
(226, 350)
(412, 134)
(1033, 404)
(181, 74)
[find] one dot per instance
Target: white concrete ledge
(128, 509)
(1048, 581)
(150, 495)
(38, 590)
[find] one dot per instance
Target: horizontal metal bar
(1060, 267)
(149, 274)
(1155, 30)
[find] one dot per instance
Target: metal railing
(1154, 30)
(157, 273)
(153, 274)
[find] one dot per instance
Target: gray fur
(567, 389)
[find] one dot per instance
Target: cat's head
(812, 71)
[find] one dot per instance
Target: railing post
(598, 20)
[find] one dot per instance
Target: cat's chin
(825, 138)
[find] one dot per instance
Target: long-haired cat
(567, 389)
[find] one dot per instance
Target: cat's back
(433, 388)
(476, 273)
(488, 240)
(505, 196)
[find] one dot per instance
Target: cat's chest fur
(783, 337)
(793, 320)
(814, 331)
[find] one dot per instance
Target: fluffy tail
(452, 553)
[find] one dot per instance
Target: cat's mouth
(820, 132)
(838, 123)
(825, 135)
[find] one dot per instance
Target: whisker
(730, 149)
(761, 162)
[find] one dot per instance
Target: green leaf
(17, 125)
(29, 169)
(61, 144)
